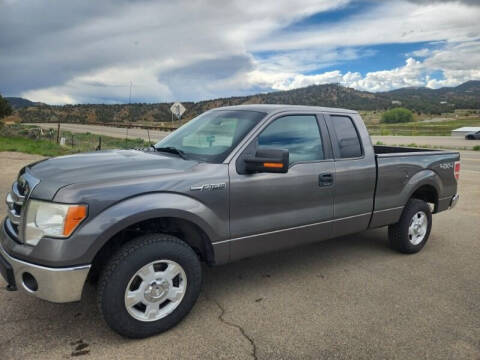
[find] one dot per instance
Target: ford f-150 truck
(234, 182)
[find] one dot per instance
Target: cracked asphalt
(345, 298)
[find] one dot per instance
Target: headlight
(51, 219)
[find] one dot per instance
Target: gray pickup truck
(234, 182)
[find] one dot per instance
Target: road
(133, 133)
(441, 141)
(350, 297)
(446, 142)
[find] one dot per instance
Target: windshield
(212, 136)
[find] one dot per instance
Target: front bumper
(57, 285)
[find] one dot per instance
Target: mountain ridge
(19, 102)
(421, 100)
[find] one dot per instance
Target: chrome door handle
(325, 179)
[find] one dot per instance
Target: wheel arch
(186, 230)
(426, 185)
(427, 193)
(178, 215)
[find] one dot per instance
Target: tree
(5, 108)
(397, 115)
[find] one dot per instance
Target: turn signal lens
(273, 165)
(75, 216)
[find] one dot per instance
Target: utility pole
(129, 111)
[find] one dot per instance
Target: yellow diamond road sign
(177, 109)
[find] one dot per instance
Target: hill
(18, 102)
(464, 96)
(421, 100)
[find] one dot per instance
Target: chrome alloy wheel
(155, 290)
(418, 228)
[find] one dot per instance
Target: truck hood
(102, 167)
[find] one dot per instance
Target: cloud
(430, 2)
(421, 53)
(205, 78)
(457, 62)
(450, 27)
(408, 75)
(50, 46)
(75, 51)
(411, 74)
(308, 60)
(390, 22)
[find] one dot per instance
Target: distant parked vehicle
(473, 136)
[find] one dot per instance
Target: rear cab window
(347, 144)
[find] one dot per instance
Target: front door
(274, 210)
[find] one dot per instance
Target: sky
(80, 51)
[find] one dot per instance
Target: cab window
(299, 134)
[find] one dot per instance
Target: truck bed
(401, 169)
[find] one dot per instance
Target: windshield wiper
(171, 150)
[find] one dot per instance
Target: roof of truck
(273, 108)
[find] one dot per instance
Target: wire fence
(74, 142)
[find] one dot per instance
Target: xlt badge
(209, 187)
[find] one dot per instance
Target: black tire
(398, 233)
(131, 257)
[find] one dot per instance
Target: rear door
(273, 210)
(355, 173)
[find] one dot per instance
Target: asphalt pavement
(345, 298)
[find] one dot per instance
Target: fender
(389, 206)
(424, 177)
(82, 247)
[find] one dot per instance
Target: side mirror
(268, 160)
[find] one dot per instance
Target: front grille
(15, 200)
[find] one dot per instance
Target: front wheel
(149, 285)
(411, 233)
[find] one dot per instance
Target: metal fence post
(58, 133)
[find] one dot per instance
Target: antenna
(130, 94)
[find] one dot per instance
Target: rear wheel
(149, 285)
(411, 233)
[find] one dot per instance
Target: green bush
(397, 115)
(5, 108)
(476, 148)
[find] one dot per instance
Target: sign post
(177, 109)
